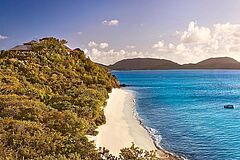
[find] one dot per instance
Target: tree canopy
(50, 99)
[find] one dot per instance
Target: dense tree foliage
(50, 99)
(131, 153)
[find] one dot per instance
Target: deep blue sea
(185, 107)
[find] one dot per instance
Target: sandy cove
(122, 128)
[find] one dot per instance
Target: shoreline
(155, 139)
(162, 153)
(123, 126)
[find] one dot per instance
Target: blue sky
(183, 31)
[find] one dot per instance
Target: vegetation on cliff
(51, 97)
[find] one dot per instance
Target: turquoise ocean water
(185, 109)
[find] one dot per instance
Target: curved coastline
(155, 138)
(123, 127)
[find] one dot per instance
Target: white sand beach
(122, 128)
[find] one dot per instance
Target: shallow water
(185, 107)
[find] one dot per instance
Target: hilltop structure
(27, 47)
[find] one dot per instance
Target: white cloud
(180, 47)
(79, 33)
(85, 51)
(112, 56)
(3, 37)
(96, 52)
(158, 45)
(170, 46)
(130, 46)
(191, 45)
(92, 44)
(113, 22)
(103, 45)
(196, 34)
(198, 43)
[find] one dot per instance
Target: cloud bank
(188, 46)
(198, 43)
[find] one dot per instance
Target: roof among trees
(21, 48)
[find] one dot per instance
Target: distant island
(163, 64)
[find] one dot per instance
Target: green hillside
(50, 98)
